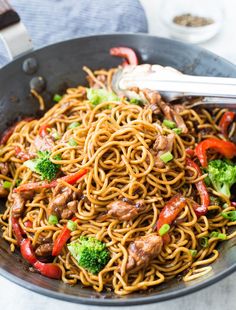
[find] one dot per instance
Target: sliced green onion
(225, 205)
(178, 131)
(57, 98)
(222, 236)
(136, 101)
(166, 157)
(169, 124)
(71, 225)
(55, 134)
(193, 252)
(7, 184)
(164, 229)
(73, 125)
(18, 182)
(204, 242)
(230, 215)
(72, 142)
(214, 234)
(53, 220)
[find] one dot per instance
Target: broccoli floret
(222, 175)
(43, 166)
(90, 253)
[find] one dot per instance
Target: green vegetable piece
(90, 253)
(178, 131)
(204, 242)
(229, 215)
(164, 229)
(55, 134)
(222, 236)
(222, 174)
(169, 124)
(72, 225)
(136, 101)
(97, 96)
(18, 182)
(214, 234)
(43, 166)
(214, 201)
(225, 205)
(52, 220)
(57, 98)
(7, 184)
(72, 142)
(193, 252)
(74, 125)
(166, 157)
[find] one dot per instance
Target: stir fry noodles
(119, 194)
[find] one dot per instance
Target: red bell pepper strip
(202, 189)
(190, 152)
(225, 121)
(71, 179)
(43, 130)
(127, 53)
(171, 210)
(61, 240)
(226, 148)
(9, 131)
(20, 154)
(28, 224)
(48, 270)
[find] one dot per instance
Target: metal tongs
(173, 85)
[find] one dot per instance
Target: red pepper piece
(71, 179)
(190, 152)
(202, 189)
(226, 148)
(61, 240)
(225, 121)
(9, 131)
(49, 270)
(17, 229)
(127, 53)
(27, 251)
(28, 224)
(20, 154)
(43, 130)
(171, 210)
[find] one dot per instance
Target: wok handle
(13, 32)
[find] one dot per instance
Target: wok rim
(142, 300)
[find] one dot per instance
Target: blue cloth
(50, 21)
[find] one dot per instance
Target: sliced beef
(44, 250)
(64, 202)
(162, 145)
(4, 169)
(3, 192)
(142, 251)
(19, 201)
(124, 211)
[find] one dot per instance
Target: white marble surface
(219, 296)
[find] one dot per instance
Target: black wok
(61, 66)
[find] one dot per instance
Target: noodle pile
(114, 141)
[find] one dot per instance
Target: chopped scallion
(166, 157)
(229, 215)
(164, 229)
(214, 234)
(169, 124)
(135, 101)
(204, 242)
(7, 184)
(53, 220)
(57, 98)
(73, 125)
(225, 205)
(193, 252)
(71, 225)
(55, 134)
(72, 142)
(177, 130)
(222, 236)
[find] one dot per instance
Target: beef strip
(4, 169)
(64, 202)
(162, 145)
(44, 250)
(142, 251)
(125, 211)
(3, 192)
(19, 201)
(44, 144)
